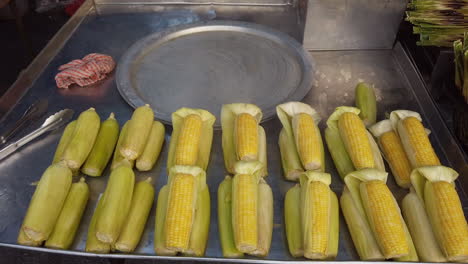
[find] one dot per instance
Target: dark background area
(15, 52)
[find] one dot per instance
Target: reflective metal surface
(210, 64)
(397, 83)
(352, 24)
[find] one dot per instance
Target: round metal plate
(206, 65)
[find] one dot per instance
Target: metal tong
(51, 123)
(35, 111)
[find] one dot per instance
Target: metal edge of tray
(28, 76)
(134, 52)
(451, 149)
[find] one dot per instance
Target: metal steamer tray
(398, 86)
(209, 64)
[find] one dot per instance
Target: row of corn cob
(183, 207)
(432, 209)
(310, 207)
(57, 205)
(122, 211)
(245, 200)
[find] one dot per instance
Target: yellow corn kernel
(396, 157)
(189, 141)
(384, 218)
(447, 219)
(244, 212)
(246, 136)
(309, 145)
(424, 154)
(180, 212)
(354, 136)
(317, 230)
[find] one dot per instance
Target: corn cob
(243, 138)
(47, 202)
(132, 230)
(445, 213)
(139, 128)
(393, 151)
(416, 143)
(183, 211)
(180, 211)
(201, 224)
(159, 231)
(82, 141)
(384, 219)
(366, 102)
(312, 227)
(116, 205)
(118, 159)
(191, 138)
(103, 148)
(92, 243)
(340, 157)
(226, 233)
(354, 136)
(245, 212)
(246, 137)
(308, 141)
(420, 228)
(152, 149)
(363, 238)
(186, 152)
(64, 140)
(70, 217)
(265, 219)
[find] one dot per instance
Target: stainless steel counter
(398, 85)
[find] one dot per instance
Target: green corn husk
(132, 230)
(152, 149)
(265, 219)
(420, 229)
(64, 140)
(83, 139)
(367, 103)
(226, 233)
(92, 243)
(292, 221)
(70, 217)
(159, 234)
(229, 113)
(103, 148)
(361, 233)
(201, 224)
(139, 128)
(206, 137)
(24, 240)
(292, 167)
(334, 238)
(119, 160)
(117, 202)
(47, 202)
(340, 157)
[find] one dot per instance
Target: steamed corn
(250, 227)
(139, 128)
(191, 138)
(118, 159)
(47, 202)
(300, 141)
(152, 149)
(64, 140)
(103, 148)
(312, 227)
(70, 217)
(82, 140)
(243, 139)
